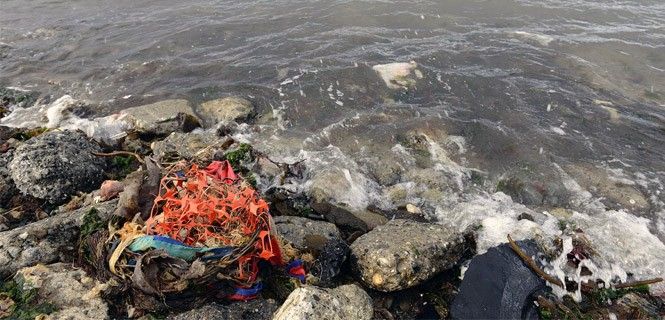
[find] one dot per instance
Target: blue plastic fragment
(178, 249)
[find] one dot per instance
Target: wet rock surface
(638, 306)
(619, 194)
(181, 145)
(249, 310)
(403, 253)
(301, 232)
(498, 285)
(329, 261)
(349, 221)
(309, 302)
(163, 117)
(45, 241)
(227, 110)
(7, 186)
(55, 165)
(11, 98)
(69, 292)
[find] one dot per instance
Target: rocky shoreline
(58, 185)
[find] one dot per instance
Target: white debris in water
(541, 39)
(396, 75)
(558, 130)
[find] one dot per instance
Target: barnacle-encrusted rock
(55, 165)
(404, 253)
(343, 302)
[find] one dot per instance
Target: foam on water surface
(58, 115)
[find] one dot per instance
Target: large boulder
(227, 110)
(300, 231)
(309, 302)
(68, 291)
(242, 310)
(45, 241)
(405, 253)
(498, 285)
(55, 165)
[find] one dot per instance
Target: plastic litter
(207, 227)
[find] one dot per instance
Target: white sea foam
(58, 115)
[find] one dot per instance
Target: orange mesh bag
(212, 207)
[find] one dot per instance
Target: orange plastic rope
(211, 208)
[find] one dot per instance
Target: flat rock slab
(404, 253)
(343, 302)
(148, 117)
(498, 285)
(349, 220)
(191, 145)
(299, 231)
(45, 240)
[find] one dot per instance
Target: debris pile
(208, 236)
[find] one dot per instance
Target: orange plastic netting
(212, 207)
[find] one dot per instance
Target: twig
(533, 264)
(119, 153)
(637, 283)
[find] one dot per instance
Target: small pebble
(413, 209)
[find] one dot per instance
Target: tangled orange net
(212, 207)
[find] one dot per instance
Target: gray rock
(55, 165)
(6, 133)
(404, 253)
(12, 98)
(7, 186)
(227, 110)
(250, 310)
(498, 285)
(309, 302)
(331, 185)
(46, 240)
(349, 220)
(644, 306)
(298, 230)
(329, 261)
(73, 294)
(162, 117)
(178, 145)
(598, 181)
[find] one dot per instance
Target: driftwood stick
(120, 153)
(637, 283)
(532, 264)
